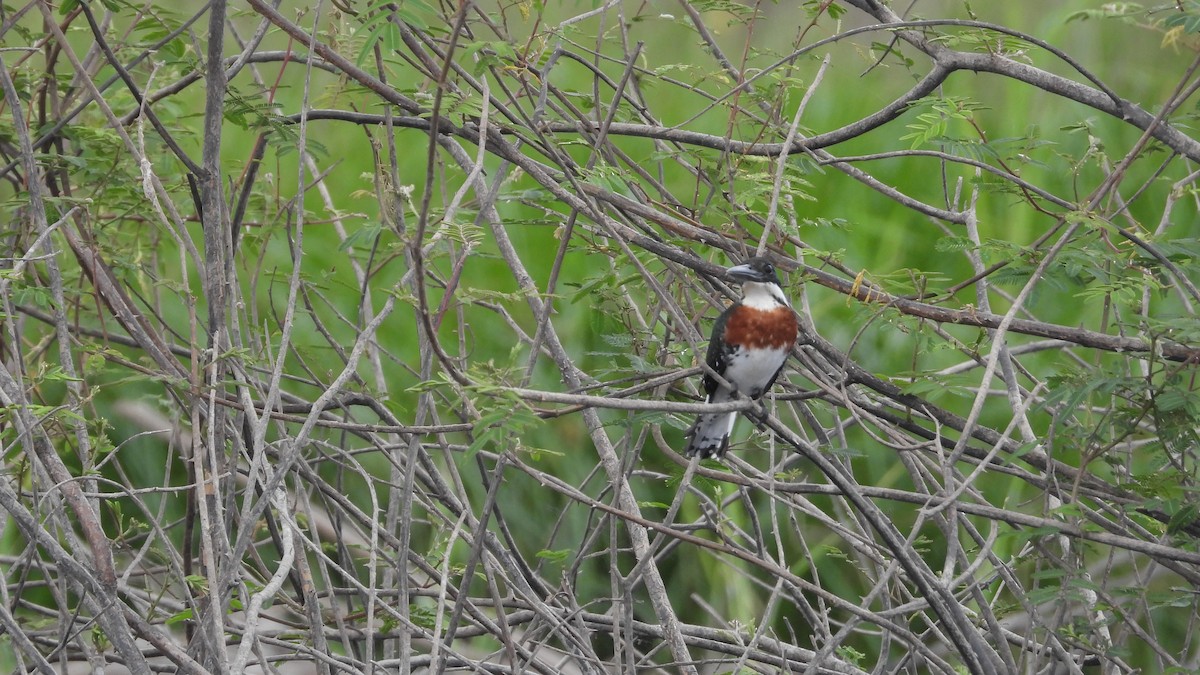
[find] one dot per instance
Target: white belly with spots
(751, 370)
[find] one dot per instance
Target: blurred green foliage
(1060, 146)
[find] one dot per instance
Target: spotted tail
(709, 435)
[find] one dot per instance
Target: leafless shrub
(247, 426)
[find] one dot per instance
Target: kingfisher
(750, 342)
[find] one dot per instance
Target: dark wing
(718, 352)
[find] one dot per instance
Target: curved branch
(1172, 351)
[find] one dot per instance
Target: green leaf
(1108, 10)
(559, 556)
(953, 244)
(382, 32)
(1184, 517)
(1024, 534)
(1189, 21)
(180, 617)
(57, 374)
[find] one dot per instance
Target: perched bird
(750, 342)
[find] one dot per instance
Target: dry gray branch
(390, 378)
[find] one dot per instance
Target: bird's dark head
(758, 270)
(760, 284)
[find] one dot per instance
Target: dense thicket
(345, 336)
